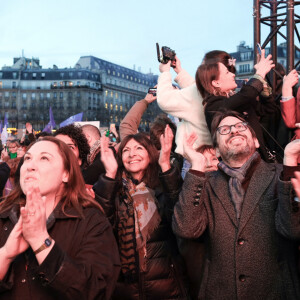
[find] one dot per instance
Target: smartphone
(152, 91)
(258, 47)
(112, 127)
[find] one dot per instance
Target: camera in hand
(166, 55)
(152, 91)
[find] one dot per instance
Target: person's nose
(31, 165)
(233, 130)
(208, 163)
(131, 152)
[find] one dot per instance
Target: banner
(72, 119)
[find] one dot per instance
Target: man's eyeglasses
(226, 129)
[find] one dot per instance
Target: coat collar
(220, 181)
(259, 181)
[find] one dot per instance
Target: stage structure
(280, 17)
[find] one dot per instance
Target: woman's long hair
(152, 171)
(74, 193)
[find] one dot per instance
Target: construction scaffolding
(279, 15)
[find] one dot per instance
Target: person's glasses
(226, 129)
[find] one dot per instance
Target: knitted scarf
(137, 222)
(95, 149)
(237, 177)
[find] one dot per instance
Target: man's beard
(238, 153)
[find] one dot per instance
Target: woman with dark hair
(186, 103)
(216, 85)
(55, 243)
(139, 201)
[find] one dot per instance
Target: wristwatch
(47, 243)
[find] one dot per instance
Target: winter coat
(83, 263)
(164, 278)
(185, 104)
(249, 259)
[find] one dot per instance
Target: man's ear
(215, 83)
(65, 178)
(256, 143)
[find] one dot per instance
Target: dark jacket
(92, 172)
(249, 259)
(4, 175)
(164, 276)
(243, 102)
(83, 264)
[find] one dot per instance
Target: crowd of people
(207, 208)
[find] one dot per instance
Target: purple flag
(0, 126)
(51, 124)
(72, 119)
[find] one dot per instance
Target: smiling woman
(216, 84)
(139, 201)
(51, 230)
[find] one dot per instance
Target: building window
(24, 96)
(55, 84)
(61, 95)
(33, 75)
(43, 75)
(108, 71)
(14, 95)
(48, 96)
(78, 83)
(14, 85)
(54, 95)
(244, 68)
(41, 96)
(106, 92)
(33, 96)
(111, 106)
(14, 75)
(116, 107)
(121, 108)
(111, 93)
(106, 106)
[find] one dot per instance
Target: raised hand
(29, 127)
(196, 159)
(108, 159)
(15, 244)
(265, 64)
(166, 141)
(288, 82)
(177, 67)
(4, 154)
(165, 67)
(150, 98)
(291, 153)
(34, 217)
